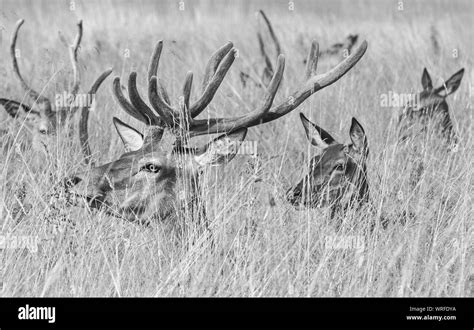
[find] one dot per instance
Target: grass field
(263, 246)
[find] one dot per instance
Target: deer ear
(451, 85)
(315, 134)
(357, 134)
(353, 38)
(223, 149)
(131, 138)
(426, 80)
(21, 112)
(13, 107)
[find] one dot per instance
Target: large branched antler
(311, 85)
(183, 118)
(314, 82)
(43, 102)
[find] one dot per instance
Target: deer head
(337, 176)
(159, 172)
(430, 107)
(40, 117)
(337, 48)
(338, 51)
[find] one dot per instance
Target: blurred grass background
(263, 246)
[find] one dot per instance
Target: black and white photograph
(170, 149)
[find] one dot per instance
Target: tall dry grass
(262, 245)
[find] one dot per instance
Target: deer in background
(339, 48)
(40, 117)
(43, 121)
(157, 176)
(430, 108)
(337, 176)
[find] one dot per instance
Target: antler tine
(166, 112)
(214, 81)
(35, 96)
(157, 94)
(224, 125)
(312, 60)
(162, 91)
(188, 82)
(73, 49)
(139, 104)
(155, 60)
(214, 62)
(186, 120)
(83, 122)
(274, 84)
(153, 70)
(124, 103)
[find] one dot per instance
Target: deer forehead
(329, 156)
(430, 98)
(335, 152)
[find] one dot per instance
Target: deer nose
(77, 186)
(71, 181)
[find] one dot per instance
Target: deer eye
(43, 131)
(150, 167)
(340, 167)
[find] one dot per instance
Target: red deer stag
(158, 174)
